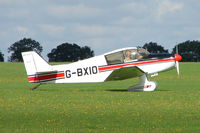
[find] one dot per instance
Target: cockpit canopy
(127, 55)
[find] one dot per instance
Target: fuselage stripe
(36, 78)
(105, 68)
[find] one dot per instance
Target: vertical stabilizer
(34, 63)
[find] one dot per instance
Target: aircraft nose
(177, 57)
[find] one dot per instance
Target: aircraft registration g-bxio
(116, 65)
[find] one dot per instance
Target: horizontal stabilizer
(46, 76)
(46, 72)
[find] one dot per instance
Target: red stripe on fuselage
(104, 68)
(46, 77)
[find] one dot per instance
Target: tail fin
(35, 64)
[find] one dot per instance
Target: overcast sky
(103, 25)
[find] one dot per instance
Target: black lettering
(86, 71)
(90, 70)
(94, 70)
(68, 73)
(79, 72)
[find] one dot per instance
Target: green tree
(153, 47)
(86, 52)
(1, 57)
(22, 46)
(69, 52)
(189, 50)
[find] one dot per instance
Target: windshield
(115, 58)
(126, 56)
(135, 54)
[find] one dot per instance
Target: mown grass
(100, 107)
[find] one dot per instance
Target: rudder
(34, 63)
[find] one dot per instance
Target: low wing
(125, 73)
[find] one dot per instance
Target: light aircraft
(116, 65)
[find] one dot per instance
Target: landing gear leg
(145, 85)
(35, 87)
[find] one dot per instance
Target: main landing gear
(35, 87)
(145, 85)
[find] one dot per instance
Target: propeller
(177, 68)
(177, 59)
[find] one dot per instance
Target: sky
(103, 25)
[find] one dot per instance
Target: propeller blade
(177, 58)
(177, 68)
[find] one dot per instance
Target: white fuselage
(95, 69)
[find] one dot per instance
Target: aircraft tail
(35, 65)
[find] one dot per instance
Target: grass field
(100, 107)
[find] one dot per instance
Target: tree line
(64, 52)
(189, 50)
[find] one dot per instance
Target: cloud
(13, 2)
(22, 30)
(100, 45)
(128, 21)
(21, 13)
(93, 30)
(134, 7)
(133, 13)
(73, 11)
(168, 7)
(52, 30)
(103, 25)
(98, 31)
